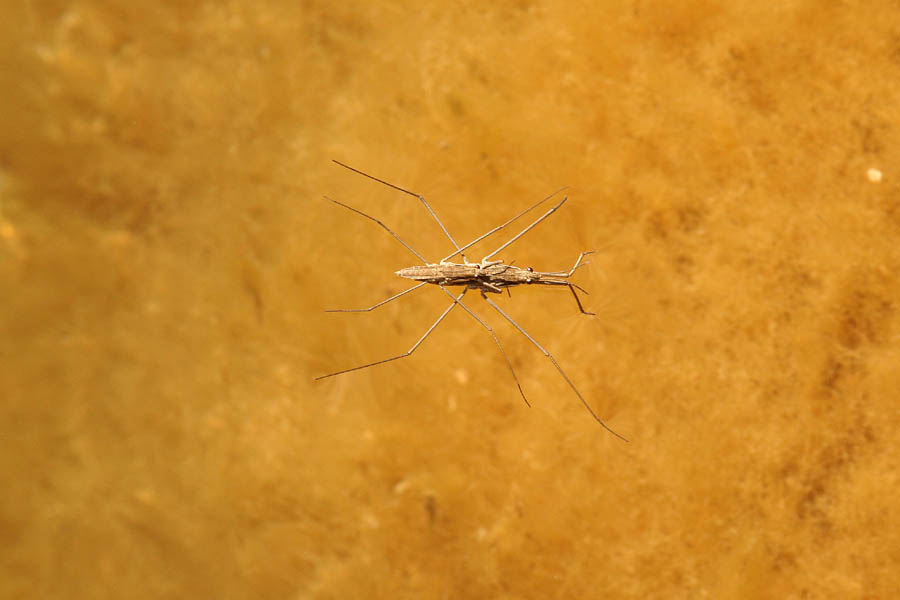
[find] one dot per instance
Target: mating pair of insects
(487, 276)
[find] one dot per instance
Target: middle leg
(555, 364)
(496, 339)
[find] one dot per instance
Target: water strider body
(487, 276)
(491, 276)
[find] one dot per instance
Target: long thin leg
(496, 339)
(413, 194)
(527, 229)
(410, 351)
(394, 297)
(388, 229)
(499, 227)
(555, 364)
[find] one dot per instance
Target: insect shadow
(487, 276)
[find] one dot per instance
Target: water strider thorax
(488, 276)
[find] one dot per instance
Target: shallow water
(167, 257)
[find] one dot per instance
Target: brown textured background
(165, 257)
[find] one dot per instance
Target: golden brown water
(165, 259)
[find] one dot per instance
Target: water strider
(487, 276)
